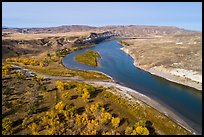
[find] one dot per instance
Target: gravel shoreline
(180, 80)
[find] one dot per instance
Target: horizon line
(99, 26)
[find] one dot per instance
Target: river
(186, 102)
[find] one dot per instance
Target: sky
(187, 15)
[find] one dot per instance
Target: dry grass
(164, 51)
(21, 36)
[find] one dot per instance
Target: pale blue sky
(186, 15)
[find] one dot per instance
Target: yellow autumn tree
(66, 95)
(33, 62)
(42, 64)
(95, 107)
(7, 126)
(20, 75)
(59, 106)
(12, 60)
(59, 85)
(6, 69)
(34, 128)
(115, 122)
(86, 94)
(128, 130)
(25, 61)
(105, 118)
(140, 131)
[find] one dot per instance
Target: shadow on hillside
(80, 110)
(97, 91)
(74, 97)
(150, 127)
(10, 112)
(43, 109)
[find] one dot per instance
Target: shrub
(6, 69)
(90, 88)
(34, 128)
(63, 52)
(12, 60)
(115, 122)
(20, 75)
(25, 61)
(59, 85)
(96, 107)
(86, 94)
(128, 130)
(105, 118)
(67, 86)
(140, 131)
(7, 126)
(66, 95)
(59, 106)
(63, 85)
(33, 62)
(140, 123)
(25, 122)
(124, 43)
(71, 109)
(40, 79)
(42, 64)
(32, 109)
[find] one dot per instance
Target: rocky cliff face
(95, 37)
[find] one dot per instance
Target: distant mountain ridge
(4, 27)
(123, 30)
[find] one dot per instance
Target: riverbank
(171, 76)
(180, 76)
(132, 96)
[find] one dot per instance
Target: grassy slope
(164, 51)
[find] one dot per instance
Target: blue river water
(185, 101)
